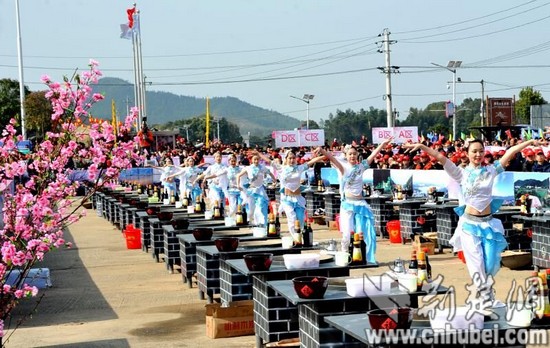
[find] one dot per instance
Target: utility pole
(388, 70)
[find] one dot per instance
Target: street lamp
(452, 65)
(482, 107)
(306, 99)
(186, 126)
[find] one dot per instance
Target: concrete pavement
(105, 295)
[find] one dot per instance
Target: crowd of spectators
(391, 157)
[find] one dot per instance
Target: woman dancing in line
(478, 234)
(187, 176)
(289, 175)
(355, 214)
(234, 195)
(217, 181)
(167, 176)
(256, 196)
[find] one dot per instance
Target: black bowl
(227, 244)
(165, 215)
(141, 204)
(203, 233)
(180, 224)
(153, 210)
(390, 318)
(310, 286)
(258, 261)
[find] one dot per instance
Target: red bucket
(133, 238)
(394, 230)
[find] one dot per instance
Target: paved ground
(104, 295)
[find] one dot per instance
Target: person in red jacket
(145, 138)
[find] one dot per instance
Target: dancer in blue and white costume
(167, 176)
(292, 201)
(217, 181)
(355, 214)
(255, 192)
(478, 234)
(187, 176)
(233, 192)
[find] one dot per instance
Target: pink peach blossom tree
(39, 197)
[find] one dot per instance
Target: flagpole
(20, 63)
(137, 26)
(137, 94)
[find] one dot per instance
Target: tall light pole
(186, 126)
(482, 106)
(306, 99)
(452, 65)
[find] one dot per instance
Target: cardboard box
(333, 225)
(232, 321)
(420, 243)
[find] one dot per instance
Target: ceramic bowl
(227, 244)
(165, 215)
(180, 224)
(203, 233)
(258, 261)
(310, 286)
(390, 318)
(153, 210)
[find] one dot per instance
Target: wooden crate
(420, 243)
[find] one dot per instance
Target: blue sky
(264, 51)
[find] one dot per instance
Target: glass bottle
(305, 237)
(297, 234)
(422, 276)
(413, 264)
(185, 201)
(428, 265)
(198, 205)
(165, 197)
(245, 216)
(277, 225)
(217, 212)
(309, 233)
(172, 198)
(544, 294)
(356, 254)
(271, 230)
(239, 218)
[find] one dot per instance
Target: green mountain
(163, 107)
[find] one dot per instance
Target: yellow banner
(207, 141)
(113, 117)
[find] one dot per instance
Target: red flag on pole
(130, 13)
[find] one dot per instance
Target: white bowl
(229, 221)
(208, 215)
(190, 209)
(298, 261)
(444, 320)
(369, 285)
(259, 232)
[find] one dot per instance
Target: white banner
(210, 159)
(286, 138)
(400, 134)
(312, 137)
(297, 138)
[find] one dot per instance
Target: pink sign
(400, 134)
(297, 138)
